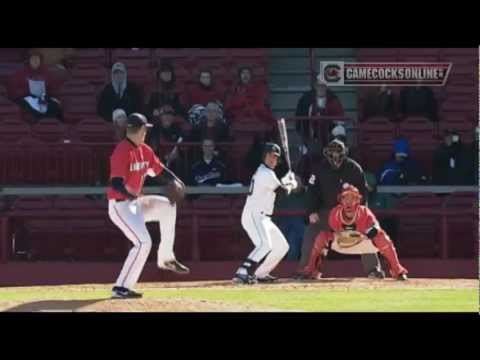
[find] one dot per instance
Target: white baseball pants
(130, 216)
(268, 240)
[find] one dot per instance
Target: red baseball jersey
(364, 220)
(132, 163)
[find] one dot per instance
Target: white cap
(339, 130)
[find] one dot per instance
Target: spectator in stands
(59, 62)
(418, 101)
(473, 159)
(33, 89)
(339, 132)
(119, 94)
(211, 126)
(120, 121)
(204, 91)
(319, 101)
(209, 170)
(248, 99)
(451, 164)
(165, 93)
(164, 131)
(379, 102)
(401, 169)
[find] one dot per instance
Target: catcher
(355, 230)
(131, 162)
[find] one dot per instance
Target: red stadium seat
(78, 107)
(49, 130)
(96, 56)
(124, 54)
(249, 52)
(77, 87)
(9, 109)
(373, 156)
(171, 53)
(417, 128)
(94, 73)
(94, 130)
(12, 130)
(377, 130)
(41, 163)
(7, 69)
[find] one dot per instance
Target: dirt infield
(95, 298)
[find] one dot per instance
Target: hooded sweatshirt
(119, 95)
(405, 172)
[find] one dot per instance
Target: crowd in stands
(412, 101)
(205, 113)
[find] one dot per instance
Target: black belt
(269, 215)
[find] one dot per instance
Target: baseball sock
(247, 268)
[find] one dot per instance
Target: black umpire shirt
(325, 183)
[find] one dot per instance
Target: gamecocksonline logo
(375, 74)
(332, 73)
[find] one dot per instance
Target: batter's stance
(131, 161)
(270, 244)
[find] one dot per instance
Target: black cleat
(124, 293)
(244, 279)
(376, 274)
(402, 277)
(268, 279)
(305, 277)
(176, 267)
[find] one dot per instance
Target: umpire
(324, 184)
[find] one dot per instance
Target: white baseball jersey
(270, 244)
(262, 190)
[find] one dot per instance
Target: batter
(270, 244)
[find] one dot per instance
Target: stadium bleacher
(76, 152)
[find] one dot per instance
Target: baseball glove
(175, 192)
(348, 238)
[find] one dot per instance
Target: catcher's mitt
(175, 192)
(348, 238)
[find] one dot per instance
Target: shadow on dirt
(54, 306)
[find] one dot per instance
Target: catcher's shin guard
(387, 249)
(315, 261)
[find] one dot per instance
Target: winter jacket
(451, 165)
(200, 94)
(19, 83)
(418, 101)
(108, 101)
(208, 174)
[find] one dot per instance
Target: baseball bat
(282, 129)
(169, 161)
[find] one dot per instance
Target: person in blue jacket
(401, 169)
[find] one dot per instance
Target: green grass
(308, 299)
